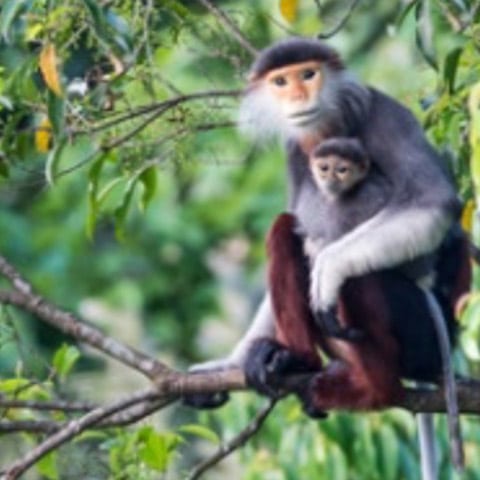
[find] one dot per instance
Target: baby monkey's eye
(308, 74)
(280, 81)
(324, 168)
(342, 169)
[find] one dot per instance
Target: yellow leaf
(48, 67)
(289, 9)
(43, 136)
(467, 216)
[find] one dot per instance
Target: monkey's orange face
(296, 88)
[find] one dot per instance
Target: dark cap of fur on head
(291, 51)
(349, 148)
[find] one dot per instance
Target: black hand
(268, 363)
(330, 325)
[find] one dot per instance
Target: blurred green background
(148, 219)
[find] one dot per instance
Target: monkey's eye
(308, 74)
(279, 81)
(324, 168)
(342, 170)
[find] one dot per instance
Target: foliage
(111, 190)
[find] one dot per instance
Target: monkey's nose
(298, 92)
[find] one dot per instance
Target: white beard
(262, 118)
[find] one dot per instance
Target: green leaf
(47, 466)
(157, 448)
(3, 166)
(121, 211)
(13, 384)
(389, 452)
(406, 11)
(96, 12)
(64, 359)
(200, 431)
(53, 160)
(148, 178)
(93, 182)
(10, 10)
(56, 113)
(424, 32)
(6, 102)
(450, 68)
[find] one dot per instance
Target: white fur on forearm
(386, 240)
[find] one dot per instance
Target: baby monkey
(352, 191)
(352, 194)
(337, 166)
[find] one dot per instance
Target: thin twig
(235, 443)
(227, 22)
(121, 419)
(72, 429)
(29, 426)
(341, 24)
(60, 405)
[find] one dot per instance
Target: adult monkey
(299, 90)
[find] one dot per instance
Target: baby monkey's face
(335, 175)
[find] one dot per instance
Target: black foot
(206, 401)
(329, 324)
(313, 412)
(268, 363)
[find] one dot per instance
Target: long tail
(428, 451)
(453, 417)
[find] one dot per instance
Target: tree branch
(59, 405)
(229, 25)
(120, 419)
(341, 24)
(28, 300)
(72, 429)
(235, 443)
(159, 108)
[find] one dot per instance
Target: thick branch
(24, 297)
(70, 325)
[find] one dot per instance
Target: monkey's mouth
(304, 117)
